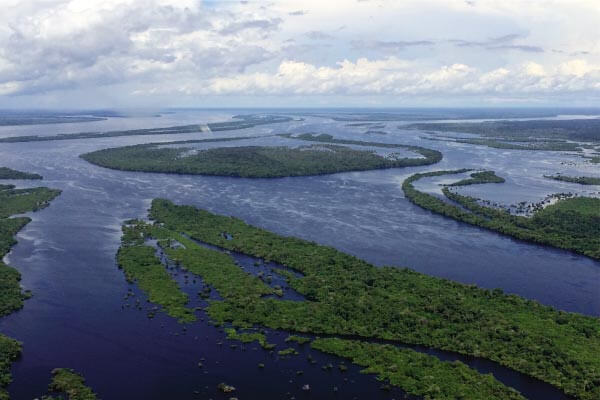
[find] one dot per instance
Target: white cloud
(184, 49)
(392, 76)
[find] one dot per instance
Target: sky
(309, 53)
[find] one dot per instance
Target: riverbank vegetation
(140, 265)
(479, 178)
(7, 173)
(546, 135)
(574, 129)
(570, 224)
(249, 337)
(254, 161)
(417, 373)
(14, 201)
(347, 296)
(10, 350)
(582, 180)
(67, 382)
(429, 156)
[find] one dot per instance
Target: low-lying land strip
(348, 296)
(240, 122)
(429, 156)
(440, 380)
(259, 161)
(582, 180)
(14, 201)
(479, 178)
(571, 224)
(8, 173)
(66, 381)
(548, 135)
(574, 129)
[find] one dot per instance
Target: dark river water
(78, 316)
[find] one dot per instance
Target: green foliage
(252, 161)
(10, 349)
(478, 178)
(216, 269)
(18, 201)
(67, 381)
(429, 156)
(418, 374)
(290, 351)
(246, 337)
(571, 224)
(347, 296)
(520, 145)
(297, 339)
(574, 129)
(14, 201)
(7, 173)
(11, 297)
(140, 264)
(582, 180)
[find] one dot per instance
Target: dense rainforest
(258, 161)
(573, 129)
(571, 224)
(347, 296)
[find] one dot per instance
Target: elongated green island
(328, 157)
(239, 122)
(547, 135)
(582, 180)
(570, 224)
(479, 178)
(70, 383)
(348, 296)
(8, 173)
(14, 201)
(429, 156)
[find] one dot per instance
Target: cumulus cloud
(393, 76)
(92, 42)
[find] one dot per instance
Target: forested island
(346, 296)
(479, 178)
(582, 180)
(69, 383)
(570, 224)
(7, 173)
(429, 156)
(548, 135)
(239, 122)
(512, 144)
(422, 114)
(258, 161)
(17, 119)
(572, 129)
(12, 202)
